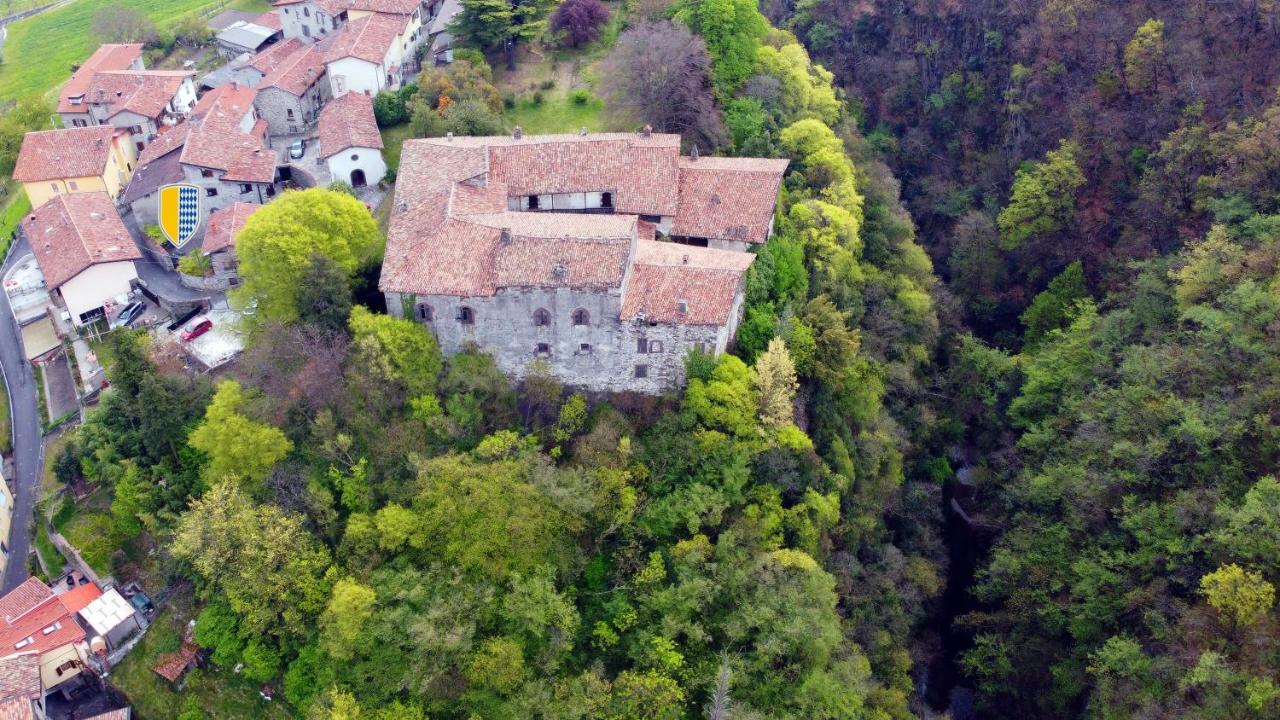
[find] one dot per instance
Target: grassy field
(220, 694)
(15, 207)
(559, 112)
(90, 530)
(392, 139)
(40, 51)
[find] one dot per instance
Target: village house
(75, 160)
(35, 622)
(254, 69)
(222, 149)
(350, 142)
(371, 54)
(72, 107)
(437, 33)
(140, 101)
(559, 250)
(220, 241)
(291, 95)
(310, 19)
(84, 251)
(245, 37)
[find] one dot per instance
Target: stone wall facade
(223, 193)
(275, 105)
(604, 354)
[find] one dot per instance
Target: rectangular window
(642, 371)
(642, 345)
(55, 188)
(655, 346)
(72, 184)
(533, 202)
(211, 192)
(306, 30)
(139, 146)
(206, 172)
(585, 348)
(544, 350)
(288, 114)
(245, 188)
(306, 11)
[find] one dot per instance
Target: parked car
(194, 329)
(130, 313)
(297, 148)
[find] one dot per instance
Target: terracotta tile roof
(235, 94)
(727, 198)
(369, 38)
(78, 598)
(144, 92)
(72, 232)
(666, 274)
(270, 58)
(156, 173)
(269, 19)
(224, 224)
(17, 709)
(167, 141)
(296, 72)
(23, 598)
(111, 56)
(333, 7)
(171, 666)
(20, 677)
(452, 234)
(70, 153)
(217, 141)
(348, 122)
(391, 7)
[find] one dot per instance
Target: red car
(196, 328)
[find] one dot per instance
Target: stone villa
(606, 256)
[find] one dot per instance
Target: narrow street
(21, 384)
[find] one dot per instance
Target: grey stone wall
(227, 192)
(504, 327)
(274, 104)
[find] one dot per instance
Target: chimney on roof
(517, 133)
(686, 259)
(682, 307)
(647, 131)
(693, 153)
(559, 271)
(506, 234)
(583, 131)
(449, 136)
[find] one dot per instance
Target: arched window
(541, 317)
(466, 315)
(424, 312)
(606, 199)
(581, 317)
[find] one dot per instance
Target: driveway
(157, 274)
(21, 384)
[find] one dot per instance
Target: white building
(84, 251)
(350, 142)
(371, 54)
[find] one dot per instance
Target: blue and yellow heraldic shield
(179, 212)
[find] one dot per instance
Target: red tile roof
(20, 677)
(70, 153)
(35, 621)
(225, 224)
(78, 598)
(269, 19)
(111, 56)
(369, 38)
(237, 95)
(271, 57)
(171, 666)
(72, 232)
(143, 92)
(17, 709)
(217, 141)
(121, 714)
(727, 198)
(348, 122)
(165, 142)
(452, 234)
(393, 7)
(666, 274)
(296, 72)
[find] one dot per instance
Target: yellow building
(75, 160)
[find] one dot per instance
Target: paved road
(21, 384)
(159, 277)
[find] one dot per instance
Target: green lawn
(220, 694)
(49, 484)
(40, 51)
(90, 529)
(557, 113)
(392, 139)
(16, 206)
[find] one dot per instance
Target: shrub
(389, 109)
(580, 96)
(548, 84)
(537, 97)
(197, 264)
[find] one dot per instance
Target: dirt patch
(60, 387)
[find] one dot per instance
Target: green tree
(484, 23)
(1144, 56)
(1242, 595)
(324, 296)
(236, 446)
(343, 620)
(30, 113)
(1043, 199)
(732, 29)
(1052, 309)
(405, 346)
(774, 378)
(277, 244)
